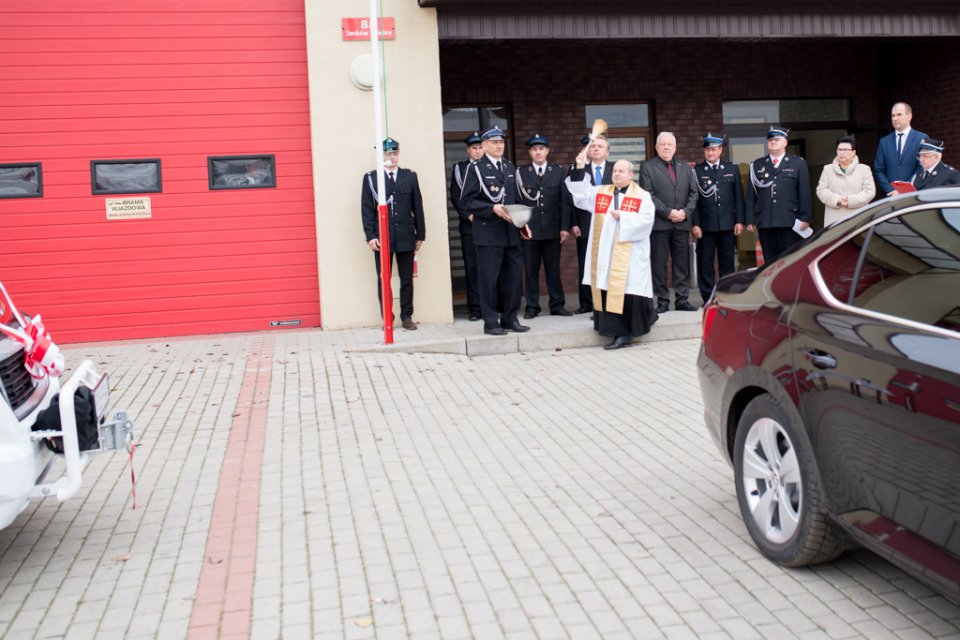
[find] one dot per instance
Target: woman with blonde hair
(845, 184)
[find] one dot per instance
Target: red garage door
(173, 84)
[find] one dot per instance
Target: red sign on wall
(359, 28)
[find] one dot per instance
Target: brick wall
(548, 83)
(925, 75)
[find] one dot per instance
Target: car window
(907, 266)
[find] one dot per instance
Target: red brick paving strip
(223, 605)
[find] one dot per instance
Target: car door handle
(820, 359)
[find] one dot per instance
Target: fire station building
(190, 168)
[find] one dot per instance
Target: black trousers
(547, 252)
(470, 271)
(674, 243)
(586, 294)
(499, 270)
(719, 245)
(775, 240)
(404, 260)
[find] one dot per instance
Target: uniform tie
(390, 179)
(597, 174)
(540, 172)
(776, 161)
(900, 144)
(499, 167)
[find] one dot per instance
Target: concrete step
(547, 333)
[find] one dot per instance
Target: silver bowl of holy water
(519, 214)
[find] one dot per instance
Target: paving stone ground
(558, 494)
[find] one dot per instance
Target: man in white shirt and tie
(896, 159)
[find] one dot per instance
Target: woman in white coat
(845, 184)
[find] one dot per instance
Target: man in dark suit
(718, 218)
(459, 174)
(673, 186)
(490, 185)
(932, 172)
(600, 172)
(896, 159)
(779, 196)
(540, 185)
(405, 210)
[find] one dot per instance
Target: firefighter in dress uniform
(778, 198)
(932, 172)
(540, 185)
(459, 174)
(490, 185)
(719, 215)
(405, 210)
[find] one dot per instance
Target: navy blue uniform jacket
(548, 210)
(405, 210)
(786, 200)
(457, 177)
(720, 204)
(943, 175)
(489, 229)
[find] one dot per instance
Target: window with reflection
(22, 180)
(125, 176)
(907, 267)
(783, 111)
(628, 128)
(242, 172)
(469, 119)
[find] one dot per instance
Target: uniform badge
(933, 173)
(494, 188)
(709, 181)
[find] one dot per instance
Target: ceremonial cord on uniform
(524, 191)
(756, 182)
(494, 199)
(373, 190)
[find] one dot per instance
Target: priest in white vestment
(617, 267)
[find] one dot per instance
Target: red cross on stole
(603, 203)
(630, 205)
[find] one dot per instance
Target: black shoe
(527, 315)
(663, 306)
(618, 343)
(683, 305)
(584, 310)
(561, 312)
(496, 331)
(474, 317)
(516, 327)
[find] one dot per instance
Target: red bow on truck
(42, 355)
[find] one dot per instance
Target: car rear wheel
(780, 499)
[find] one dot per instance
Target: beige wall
(341, 117)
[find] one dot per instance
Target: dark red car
(831, 383)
